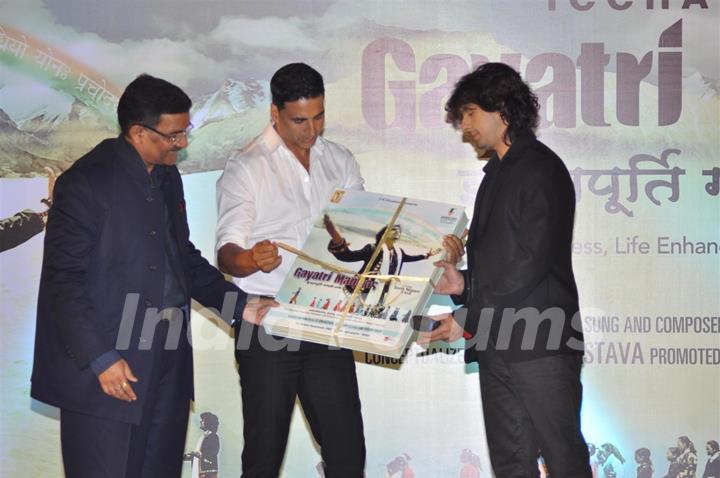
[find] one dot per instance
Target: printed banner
(629, 95)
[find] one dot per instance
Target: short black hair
(496, 87)
(294, 82)
(146, 98)
(713, 445)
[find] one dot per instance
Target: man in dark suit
(520, 316)
(112, 346)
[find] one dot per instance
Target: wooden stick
(312, 260)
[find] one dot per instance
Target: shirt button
(149, 199)
(152, 267)
(153, 233)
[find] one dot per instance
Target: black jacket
(104, 240)
(519, 256)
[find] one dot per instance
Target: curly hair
(496, 87)
(380, 233)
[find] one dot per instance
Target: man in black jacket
(112, 347)
(521, 313)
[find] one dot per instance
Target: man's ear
(274, 114)
(136, 134)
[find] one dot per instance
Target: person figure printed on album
(294, 298)
(395, 255)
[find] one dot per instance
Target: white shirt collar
(273, 141)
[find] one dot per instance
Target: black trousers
(94, 447)
(324, 381)
(533, 407)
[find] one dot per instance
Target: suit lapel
(487, 195)
(488, 200)
(483, 201)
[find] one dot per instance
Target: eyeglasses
(172, 138)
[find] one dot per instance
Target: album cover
(364, 271)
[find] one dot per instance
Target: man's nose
(313, 128)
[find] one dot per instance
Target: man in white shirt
(270, 192)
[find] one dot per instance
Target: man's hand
(240, 262)
(433, 252)
(455, 248)
(451, 282)
(449, 330)
(256, 309)
(114, 381)
(266, 256)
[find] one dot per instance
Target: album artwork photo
(364, 271)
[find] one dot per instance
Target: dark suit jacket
(104, 240)
(519, 255)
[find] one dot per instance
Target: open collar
(273, 141)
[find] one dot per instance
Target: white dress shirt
(265, 193)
